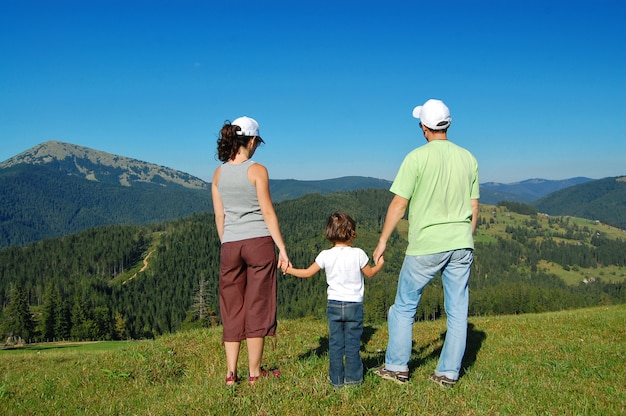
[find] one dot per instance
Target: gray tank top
(243, 219)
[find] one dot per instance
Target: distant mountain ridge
(283, 189)
(57, 188)
(525, 191)
(99, 166)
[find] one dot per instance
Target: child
(344, 266)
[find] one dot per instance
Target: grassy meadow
(560, 363)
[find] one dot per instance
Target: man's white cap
(249, 126)
(434, 114)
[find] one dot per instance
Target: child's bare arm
(370, 271)
(303, 273)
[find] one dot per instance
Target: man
(439, 183)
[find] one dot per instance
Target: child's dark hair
(340, 228)
(229, 142)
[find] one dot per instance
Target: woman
(248, 229)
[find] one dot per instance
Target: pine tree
(49, 314)
(80, 327)
(18, 322)
(63, 321)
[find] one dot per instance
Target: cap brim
(417, 111)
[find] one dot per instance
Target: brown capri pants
(248, 289)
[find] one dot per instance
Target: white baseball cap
(434, 114)
(249, 127)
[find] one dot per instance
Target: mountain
(97, 166)
(283, 189)
(525, 191)
(603, 200)
(58, 188)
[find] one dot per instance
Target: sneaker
(443, 381)
(399, 377)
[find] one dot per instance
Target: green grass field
(565, 363)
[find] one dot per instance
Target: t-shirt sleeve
(404, 183)
(475, 191)
(320, 259)
(363, 259)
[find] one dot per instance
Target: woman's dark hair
(229, 142)
(340, 228)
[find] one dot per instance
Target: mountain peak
(46, 152)
(96, 165)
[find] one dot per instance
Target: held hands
(286, 267)
(378, 252)
(283, 261)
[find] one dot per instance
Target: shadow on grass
(368, 333)
(316, 352)
(40, 347)
(69, 345)
(475, 340)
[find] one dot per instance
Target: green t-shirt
(439, 179)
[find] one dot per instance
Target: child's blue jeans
(345, 325)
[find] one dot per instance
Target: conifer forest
(135, 282)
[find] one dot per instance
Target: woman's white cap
(249, 126)
(434, 114)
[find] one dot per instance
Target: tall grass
(562, 363)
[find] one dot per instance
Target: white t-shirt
(343, 272)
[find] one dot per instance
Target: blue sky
(537, 89)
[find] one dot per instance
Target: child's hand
(381, 261)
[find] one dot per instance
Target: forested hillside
(38, 202)
(603, 200)
(121, 281)
(57, 189)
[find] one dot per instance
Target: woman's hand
(283, 261)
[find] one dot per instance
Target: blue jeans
(345, 326)
(416, 273)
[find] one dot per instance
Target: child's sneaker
(399, 377)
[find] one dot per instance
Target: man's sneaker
(399, 377)
(443, 381)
